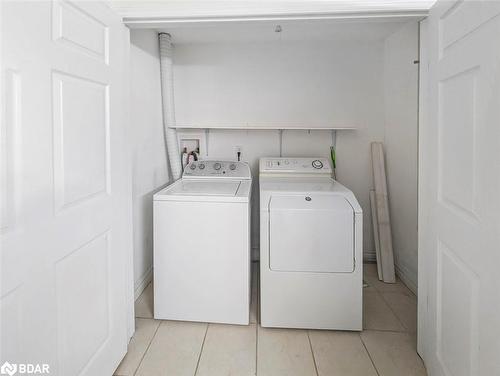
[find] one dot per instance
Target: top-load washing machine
(202, 244)
(310, 247)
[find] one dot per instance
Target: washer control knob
(201, 166)
(317, 164)
(192, 167)
(232, 166)
(217, 166)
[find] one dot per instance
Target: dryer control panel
(295, 166)
(217, 169)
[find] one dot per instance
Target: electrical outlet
(237, 152)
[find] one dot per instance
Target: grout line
(147, 348)
(312, 353)
(369, 355)
(406, 330)
(201, 350)
(381, 293)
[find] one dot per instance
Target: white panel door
(65, 186)
(460, 192)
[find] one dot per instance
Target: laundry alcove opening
(310, 77)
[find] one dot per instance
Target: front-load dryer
(310, 247)
(202, 244)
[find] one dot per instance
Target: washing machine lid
(311, 233)
(206, 190)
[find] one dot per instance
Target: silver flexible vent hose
(167, 98)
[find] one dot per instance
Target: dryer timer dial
(317, 164)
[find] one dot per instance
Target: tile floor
(385, 347)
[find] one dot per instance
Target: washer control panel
(308, 166)
(222, 169)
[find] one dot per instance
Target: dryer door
(311, 233)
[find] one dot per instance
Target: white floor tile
(175, 350)
(377, 315)
(393, 353)
(370, 271)
(371, 277)
(340, 353)
(404, 306)
(181, 348)
(144, 303)
(367, 287)
(144, 331)
(284, 352)
(228, 350)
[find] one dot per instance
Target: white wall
(287, 82)
(401, 137)
(150, 171)
(371, 86)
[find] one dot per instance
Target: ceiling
(296, 30)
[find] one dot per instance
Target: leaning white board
(382, 209)
(373, 206)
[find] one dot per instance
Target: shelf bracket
(281, 142)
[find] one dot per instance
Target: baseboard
(406, 279)
(143, 282)
(369, 256)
